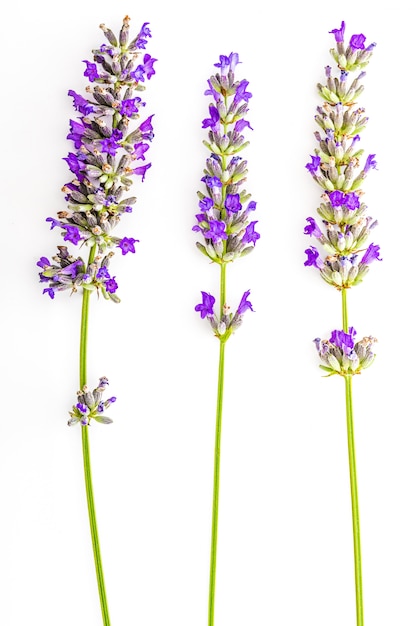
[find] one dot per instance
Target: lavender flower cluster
(107, 154)
(341, 355)
(91, 406)
(335, 167)
(224, 325)
(225, 220)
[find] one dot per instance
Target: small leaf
(103, 419)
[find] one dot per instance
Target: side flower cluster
(68, 272)
(228, 322)
(345, 226)
(225, 219)
(341, 355)
(107, 154)
(91, 406)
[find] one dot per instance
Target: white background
(285, 545)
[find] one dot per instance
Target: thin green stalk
(86, 458)
(355, 503)
(345, 311)
(353, 482)
(217, 447)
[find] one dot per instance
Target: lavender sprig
(228, 231)
(108, 153)
(344, 232)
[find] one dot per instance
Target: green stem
(222, 287)
(353, 482)
(344, 311)
(355, 503)
(86, 457)
(217, 447)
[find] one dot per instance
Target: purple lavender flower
(314, 165)
(141, 170)
(43, 262)
(91, 71)
(344, 341)
(212, 181)
(232, 203)
(110, 285)
(129, 107)
(148, 63)
(250, 235)
(139, 42)
(241, 125)
(312, 229)
(339, 33)
(227, 63)
(72, 234)
(206, 204)
(139, 150)
(127, 244)
(206, 307)
(145, 69)
(371, 254)
(241, 93)
(336, 198)
(357, 42)
(50, 291)
(81, 104)
(109, 145)
(102, 273)
(146, 129)
(216, 231)
(244, 304)
(370, 163)
(213, 120)
(313, 258)
(351, 201)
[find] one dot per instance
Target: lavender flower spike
(224, 223)
(345, 227)
(109, 148)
